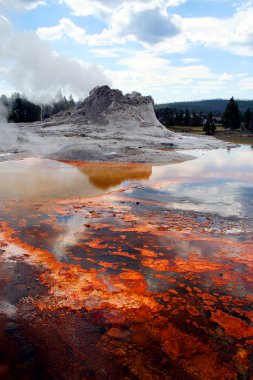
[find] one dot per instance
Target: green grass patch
(237, 137)
(192, 129)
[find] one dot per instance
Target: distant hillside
(216, 106)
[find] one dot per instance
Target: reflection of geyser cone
(104, 176)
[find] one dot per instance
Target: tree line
(231, 118)
(20, 110)
(216, 106)
(171, 117)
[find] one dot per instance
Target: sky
(174, 50)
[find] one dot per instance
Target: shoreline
(110, 143)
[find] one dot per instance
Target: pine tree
(196, 120)
(17, 110)
(247, 118)
(251, 125)
(231, 117)
(71, 102)
(209, 126)
(187, 118)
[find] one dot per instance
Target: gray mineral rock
(106, 106)
(106, 126)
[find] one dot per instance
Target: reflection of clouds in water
(220, 198)
(186, 247)
(237, 162)
(8, 309)
(220, 181)
(246, 200)
(225, 199)
(34, 180)
(73, 227)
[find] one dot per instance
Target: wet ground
(126, 271)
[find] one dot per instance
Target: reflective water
(34, 178)
(136, 271)
(219, 181)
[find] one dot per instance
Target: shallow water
(218, 181)
(34, 178)
(142, 272)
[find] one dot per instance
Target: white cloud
(226, 77)
(159, 35)
(103, 7)
(148, 22)
(244, 5)
(233, 34)
(108, 52)
(145, 21)
(131, 22)
(190, 60)
(5, 26)
(150, 26)
(88, 7)
(149, 69)
(36, 70)
(21, 4)
(65, 28)
(149, 73)
(247, 83)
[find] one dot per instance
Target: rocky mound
(107, 126)
(105, 105)
(106, 109)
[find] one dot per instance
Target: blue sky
(172, 49)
